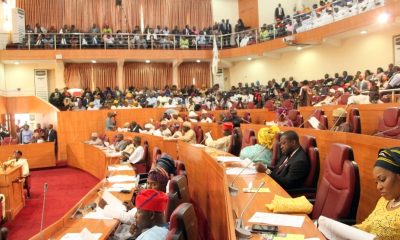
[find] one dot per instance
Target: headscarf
(167, 163)
(389, 159)
(266, 136)
(159, 175)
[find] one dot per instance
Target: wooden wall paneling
(365, 150)
(369, 114)
(208, 190)
(39, 155)
(248, 12)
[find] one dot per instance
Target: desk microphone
(45, 187)
(240, 231)
(341, 115)
(308, 118)
(204, 139)
(388, 130)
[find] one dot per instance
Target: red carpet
(66, 186)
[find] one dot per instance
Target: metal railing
(299, 22)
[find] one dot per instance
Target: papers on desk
(277, 219)
(253, 190)
(314, 122)
(119, 168)
(237, 170)
(113, 154)
(227, 159)
(338, 231)
(97, 214)
(118, 187)
(85, 234)
(122, 178)
(198, 145)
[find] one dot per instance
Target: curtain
(150, 75)
(105, 75)
(200, 72)
(78, 75)
(82, 13)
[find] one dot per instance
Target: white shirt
(137, 155)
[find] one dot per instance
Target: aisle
(66, 186)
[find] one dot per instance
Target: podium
(12, 188)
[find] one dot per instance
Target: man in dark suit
(51, 134)
(279, 12)
(293, 167)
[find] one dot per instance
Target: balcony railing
(300, 22)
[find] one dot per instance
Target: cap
(339, 112)
(204, 111)
(95, 134)
(192, 114)
(163, 122)
(187, 124)
(228, 126)
(151, 200)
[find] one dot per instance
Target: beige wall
(225, 9)
(357, 53)
(22, 76)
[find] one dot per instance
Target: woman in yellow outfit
(384, 221)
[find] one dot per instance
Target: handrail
(298, 23)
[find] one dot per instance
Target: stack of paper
(277, 219)
(119, 168)
(85, 234)
(336, 230)
(227, 159)
(118, 187)
(122, 178)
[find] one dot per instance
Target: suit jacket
(294, 172)
(280, 16)
(51, 135)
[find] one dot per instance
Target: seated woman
(261, 152)
(384, 221)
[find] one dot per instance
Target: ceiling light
(249, 58)
(197, 61)
(383, 17)
(16, 63)
(147, 61)
(299, 48)
(363, 32)
(93, 61)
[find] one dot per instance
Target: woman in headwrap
(384, 221)
(262, 151)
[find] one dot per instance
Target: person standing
(111, 124)
(26, 135)
(279, 12)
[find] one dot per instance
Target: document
(122, 178)
(226, 159)
(237, 170)
(314, 122)
(111, 199)
(253, 190)
(119, 168)
(98, 214)
(335, 230)
(85, 234)
(277, 219)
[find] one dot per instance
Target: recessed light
(249, 59)
(383, 17)
(93, 61)
(147, 61)
(299, 48)
(16, 63)
(197, 61)
(363, 32)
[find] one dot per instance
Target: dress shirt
(137, 155)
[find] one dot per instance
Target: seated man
(294, 165)
(221, 143)
(138, 153)
(339, 121)
(148, 128)
(95, 140)
(163, 130)
(193, 117)
(189, 135)
(128, 149)
(120, 143)
(134, 127)
(204, 117)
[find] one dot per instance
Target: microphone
(240, 231)
(204, 139)
(308, 118)
(388, 130)
(45, 187)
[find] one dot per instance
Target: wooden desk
(208, 188)
(12, 189)
(39, 155)
(93, 160)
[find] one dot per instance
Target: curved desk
(94, 161)
(208, 187)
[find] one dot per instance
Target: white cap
(149, 126)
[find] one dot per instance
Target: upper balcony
(304, 29)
